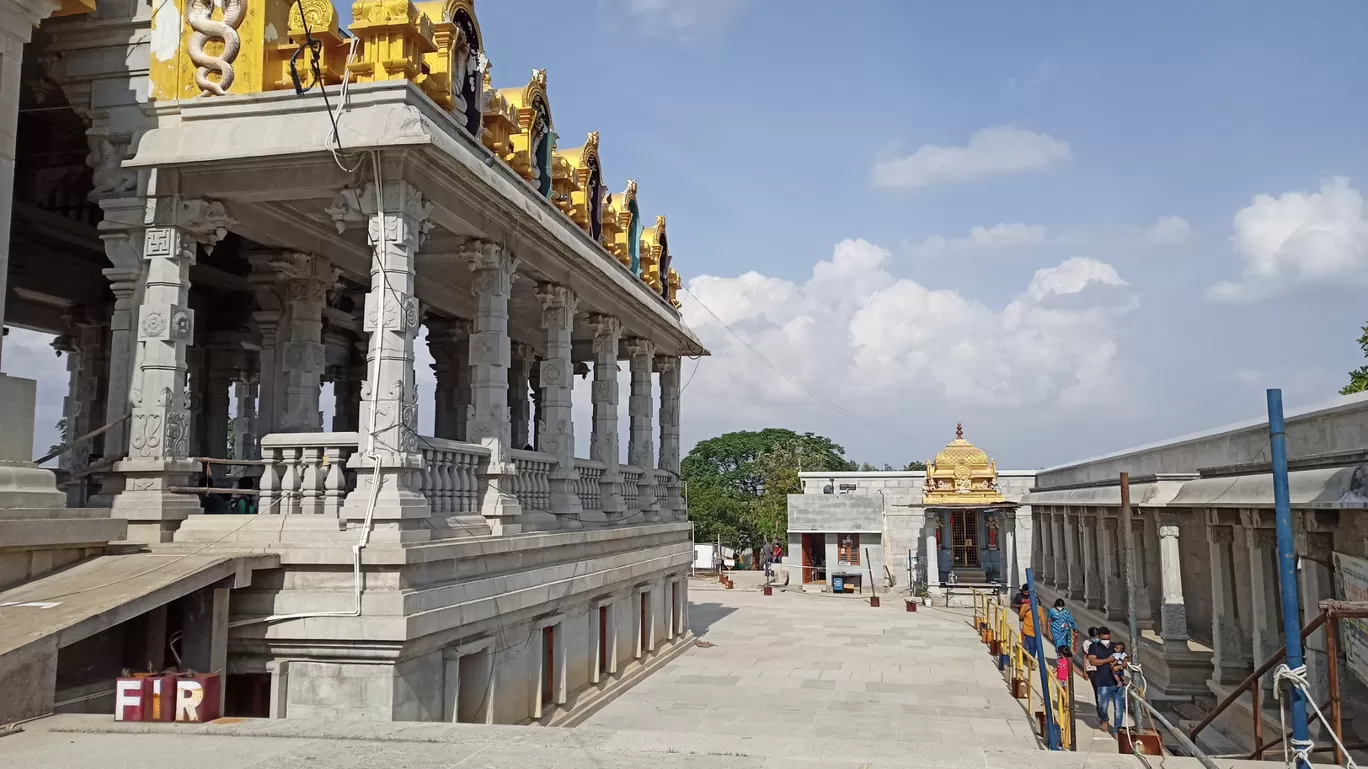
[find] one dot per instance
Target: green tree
(739, 482)
(918, 466)
(1358, 378)
(61, 435)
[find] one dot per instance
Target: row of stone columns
(483, 377)
(1240, 547)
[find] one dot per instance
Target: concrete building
(1207, 592)
(198, 233)
(961, 515)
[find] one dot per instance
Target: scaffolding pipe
(1287, 573)
(1051, 728)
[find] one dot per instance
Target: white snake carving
(197, 13)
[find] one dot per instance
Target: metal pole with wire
(1301, 742)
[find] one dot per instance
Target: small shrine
(968, 511)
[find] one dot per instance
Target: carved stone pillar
(197, 384)
(931, 550)
(489, 426)
(640, 408)
(1173, 609)
(556, 422)
(668, 367)
(268, 316)
(1093, 593)
(347, 389)
(388, 452)
(519, 405)
(1230, 663)
(1072, 530)
(220, 372)
(1113, 570)
(449, 343)
(603, 442)
(245, 444)
(1060, 572)
(123, 281)
(1009, 552)
(1042, 561)
(158, 440)
(1316, 583)
(534, 384)
(17, 27)
(308, 278)
(82, 409)
(1149, 566)
(1265, 605)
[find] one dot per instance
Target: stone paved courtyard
(800, 670)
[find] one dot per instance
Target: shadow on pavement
(704, 615)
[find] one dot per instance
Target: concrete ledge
(61, 532)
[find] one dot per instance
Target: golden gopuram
(242, 220)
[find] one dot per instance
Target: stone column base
(154, 513)
(24, 485)
(566, 503)
(401, 513)
(499, 507)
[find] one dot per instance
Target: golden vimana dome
(961, 474)
(959, 451)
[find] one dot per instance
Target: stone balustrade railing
(662, 489)
(587, 489)
(533, 486)
(631, 476)
(450, 475)
(306, 473)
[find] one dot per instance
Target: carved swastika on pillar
(158, 242)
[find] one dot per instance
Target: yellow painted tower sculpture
(229, 48)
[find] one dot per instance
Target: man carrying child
(1108, 679)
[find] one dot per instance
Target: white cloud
(862, 338)
(1298, 238)
(999, 237)
(1168, 231)
(683, 15)
(990, 152)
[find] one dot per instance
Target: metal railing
(1331, 613)
(997, 628)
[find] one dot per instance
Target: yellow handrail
(995, 622)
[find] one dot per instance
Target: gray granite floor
(793, 681)
(813, 668)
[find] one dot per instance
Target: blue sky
(756, 127)
(1012, 215)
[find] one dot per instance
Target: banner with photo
(1351, 584)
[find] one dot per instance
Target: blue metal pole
(1052, 737)
(1287, 566)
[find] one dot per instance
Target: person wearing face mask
(1111, 695)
